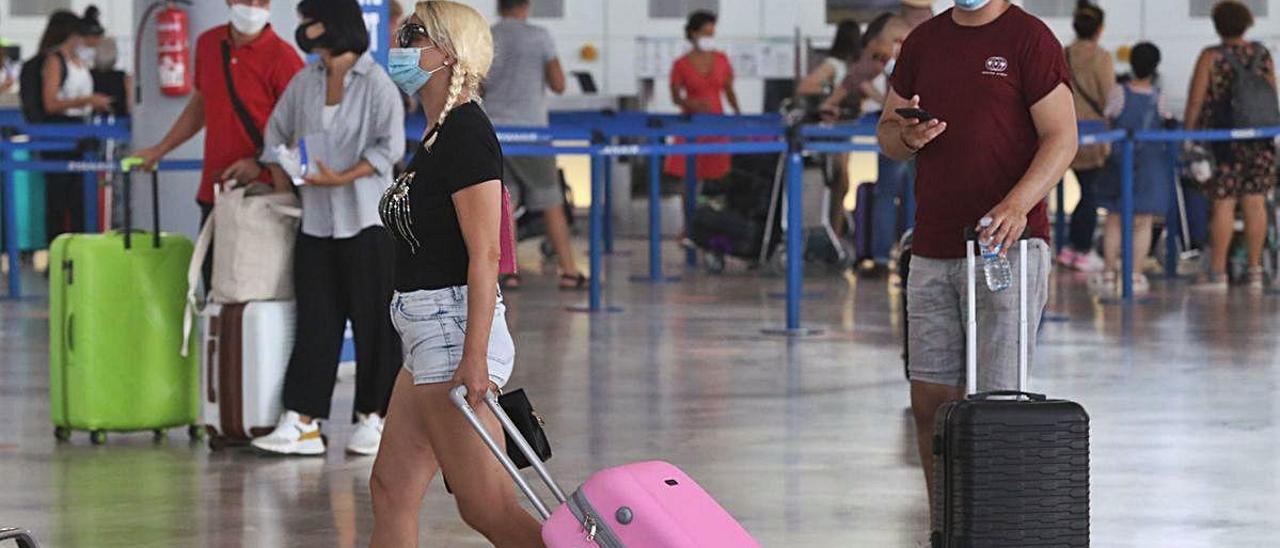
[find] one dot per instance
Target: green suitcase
(115, 332)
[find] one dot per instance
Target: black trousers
(1084, 220)
(63, 204)
(336, 280)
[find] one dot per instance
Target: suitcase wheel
(195, 432)
(62, 433)
(217, 443)
(714, 262)
(97, 437)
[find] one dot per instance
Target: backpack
(1253, 99)
(31, 83)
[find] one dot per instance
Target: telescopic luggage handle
(459, 397)
(971, 346)
(128, 166)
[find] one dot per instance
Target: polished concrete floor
(806, 441)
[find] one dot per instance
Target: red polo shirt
(260, 71)
(982, 81)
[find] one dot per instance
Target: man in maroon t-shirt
(995, 78)
(261, 66)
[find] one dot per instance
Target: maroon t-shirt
(982, 81)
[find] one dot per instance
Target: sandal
(1256, 277)
(509, 282)
(576, 282)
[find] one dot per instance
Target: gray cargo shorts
(539, 181)
(937, 301)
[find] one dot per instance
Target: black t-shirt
(465, 153)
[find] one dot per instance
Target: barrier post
(655, 220)
(11, 227)
(597, 232)
(795, 238)
(1126, 220)
(608, 206)
(690, 201)
(90, 200)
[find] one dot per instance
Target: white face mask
(706, 43)
(888, 67)
(86, 54)
(248, 19)
(972, 5)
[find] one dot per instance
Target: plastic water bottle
(999, 274)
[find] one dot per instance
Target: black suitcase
(1011, 468)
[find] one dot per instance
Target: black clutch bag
(529, 423)
(518, 407)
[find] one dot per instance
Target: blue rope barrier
(831, 147)
(685, 149)
(39, 146)
(1247, 134)
(838, 131)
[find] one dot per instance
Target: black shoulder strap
(245, 119)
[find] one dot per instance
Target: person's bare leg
(1111, 241)
(485, 495)
(404, 467)
(839, 189)
(925, 400)
(558, 235)
(1255, 226)
(1142, 226)
(1221, 227)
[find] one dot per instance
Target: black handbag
(529, 423)
(527, 420)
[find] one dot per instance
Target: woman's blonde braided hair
(463, 34)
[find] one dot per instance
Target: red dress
(708, 87)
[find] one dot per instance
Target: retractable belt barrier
(622, 134)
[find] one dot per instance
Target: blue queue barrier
(10, 213)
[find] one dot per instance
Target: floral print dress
(1243, 167)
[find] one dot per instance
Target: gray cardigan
(369, 125)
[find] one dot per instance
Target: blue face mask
(971, 5)
(403, 66)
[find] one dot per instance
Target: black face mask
(304, 43)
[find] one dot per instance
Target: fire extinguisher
(173, 48)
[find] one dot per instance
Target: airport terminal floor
(807, 441)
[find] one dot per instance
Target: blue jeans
(895, 185)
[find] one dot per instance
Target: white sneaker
(1088, 262)
(367, 435)
(292, 437)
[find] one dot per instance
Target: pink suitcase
(639, 505)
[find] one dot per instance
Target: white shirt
(79, 83)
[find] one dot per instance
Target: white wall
(612, 26)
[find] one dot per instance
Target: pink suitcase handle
(459, 397)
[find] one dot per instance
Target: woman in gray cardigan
(347, 114)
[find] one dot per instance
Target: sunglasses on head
(409, 32)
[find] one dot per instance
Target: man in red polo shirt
(995, 78)
(261, 66)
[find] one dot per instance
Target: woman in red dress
(698, 79)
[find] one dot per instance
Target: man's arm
(188, 124)
(555, 76)
(901, 138)
(1055, 120)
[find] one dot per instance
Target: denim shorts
(432, 326)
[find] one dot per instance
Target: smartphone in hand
(915, 113)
